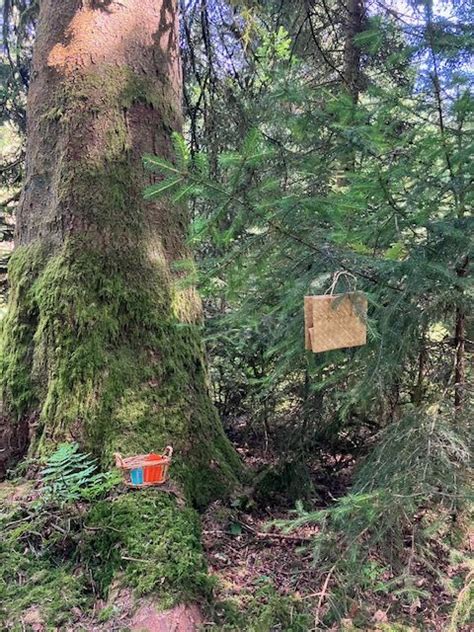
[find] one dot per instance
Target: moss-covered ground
(57, 562)
(65, 565)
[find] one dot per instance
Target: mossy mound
(57, 561)
(56, 592)
(152, 542)
(37, 567)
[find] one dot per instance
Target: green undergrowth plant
(70, 476)
(40, 534)
(402, 509)
(463, 611)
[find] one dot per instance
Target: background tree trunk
(352, 53)
(101, 342)
(351, 73)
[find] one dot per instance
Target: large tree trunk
(100, 343)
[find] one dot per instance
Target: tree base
(97, 347)
(139, 551)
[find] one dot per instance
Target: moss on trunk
(93, 345)
(101, 341)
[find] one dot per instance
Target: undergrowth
(70, 476)
(263, 610)
(66, 543)
(399, 518)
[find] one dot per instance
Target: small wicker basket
(144, 470)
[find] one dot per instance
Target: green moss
(35, 573)
(110, 87)
(57, 560)
(112, 366)
(107, 197)
(151, 541)
(32, 583)
(17, 330)
(27, 582)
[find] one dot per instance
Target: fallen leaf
(380, 617)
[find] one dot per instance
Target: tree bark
(101, 341)
(351, 67)
(351, 73)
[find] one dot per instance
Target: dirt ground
(246, 552)
(244, 549)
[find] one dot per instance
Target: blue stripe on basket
(136, 476)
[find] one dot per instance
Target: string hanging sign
(335, 321)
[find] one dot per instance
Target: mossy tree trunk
(101, 342)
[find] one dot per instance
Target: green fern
(70, 476)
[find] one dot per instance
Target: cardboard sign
(335, 321)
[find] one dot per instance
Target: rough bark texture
(352, 75)
(101, 342)
(352, 53)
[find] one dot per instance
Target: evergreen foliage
(286, 212)
(376, 184)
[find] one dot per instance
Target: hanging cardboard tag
(335, 321)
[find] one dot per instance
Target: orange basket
(144, 470)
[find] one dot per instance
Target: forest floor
(254, 560)
(266, 577)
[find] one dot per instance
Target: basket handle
(337, 276)
(118, 459)
(168, 451)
